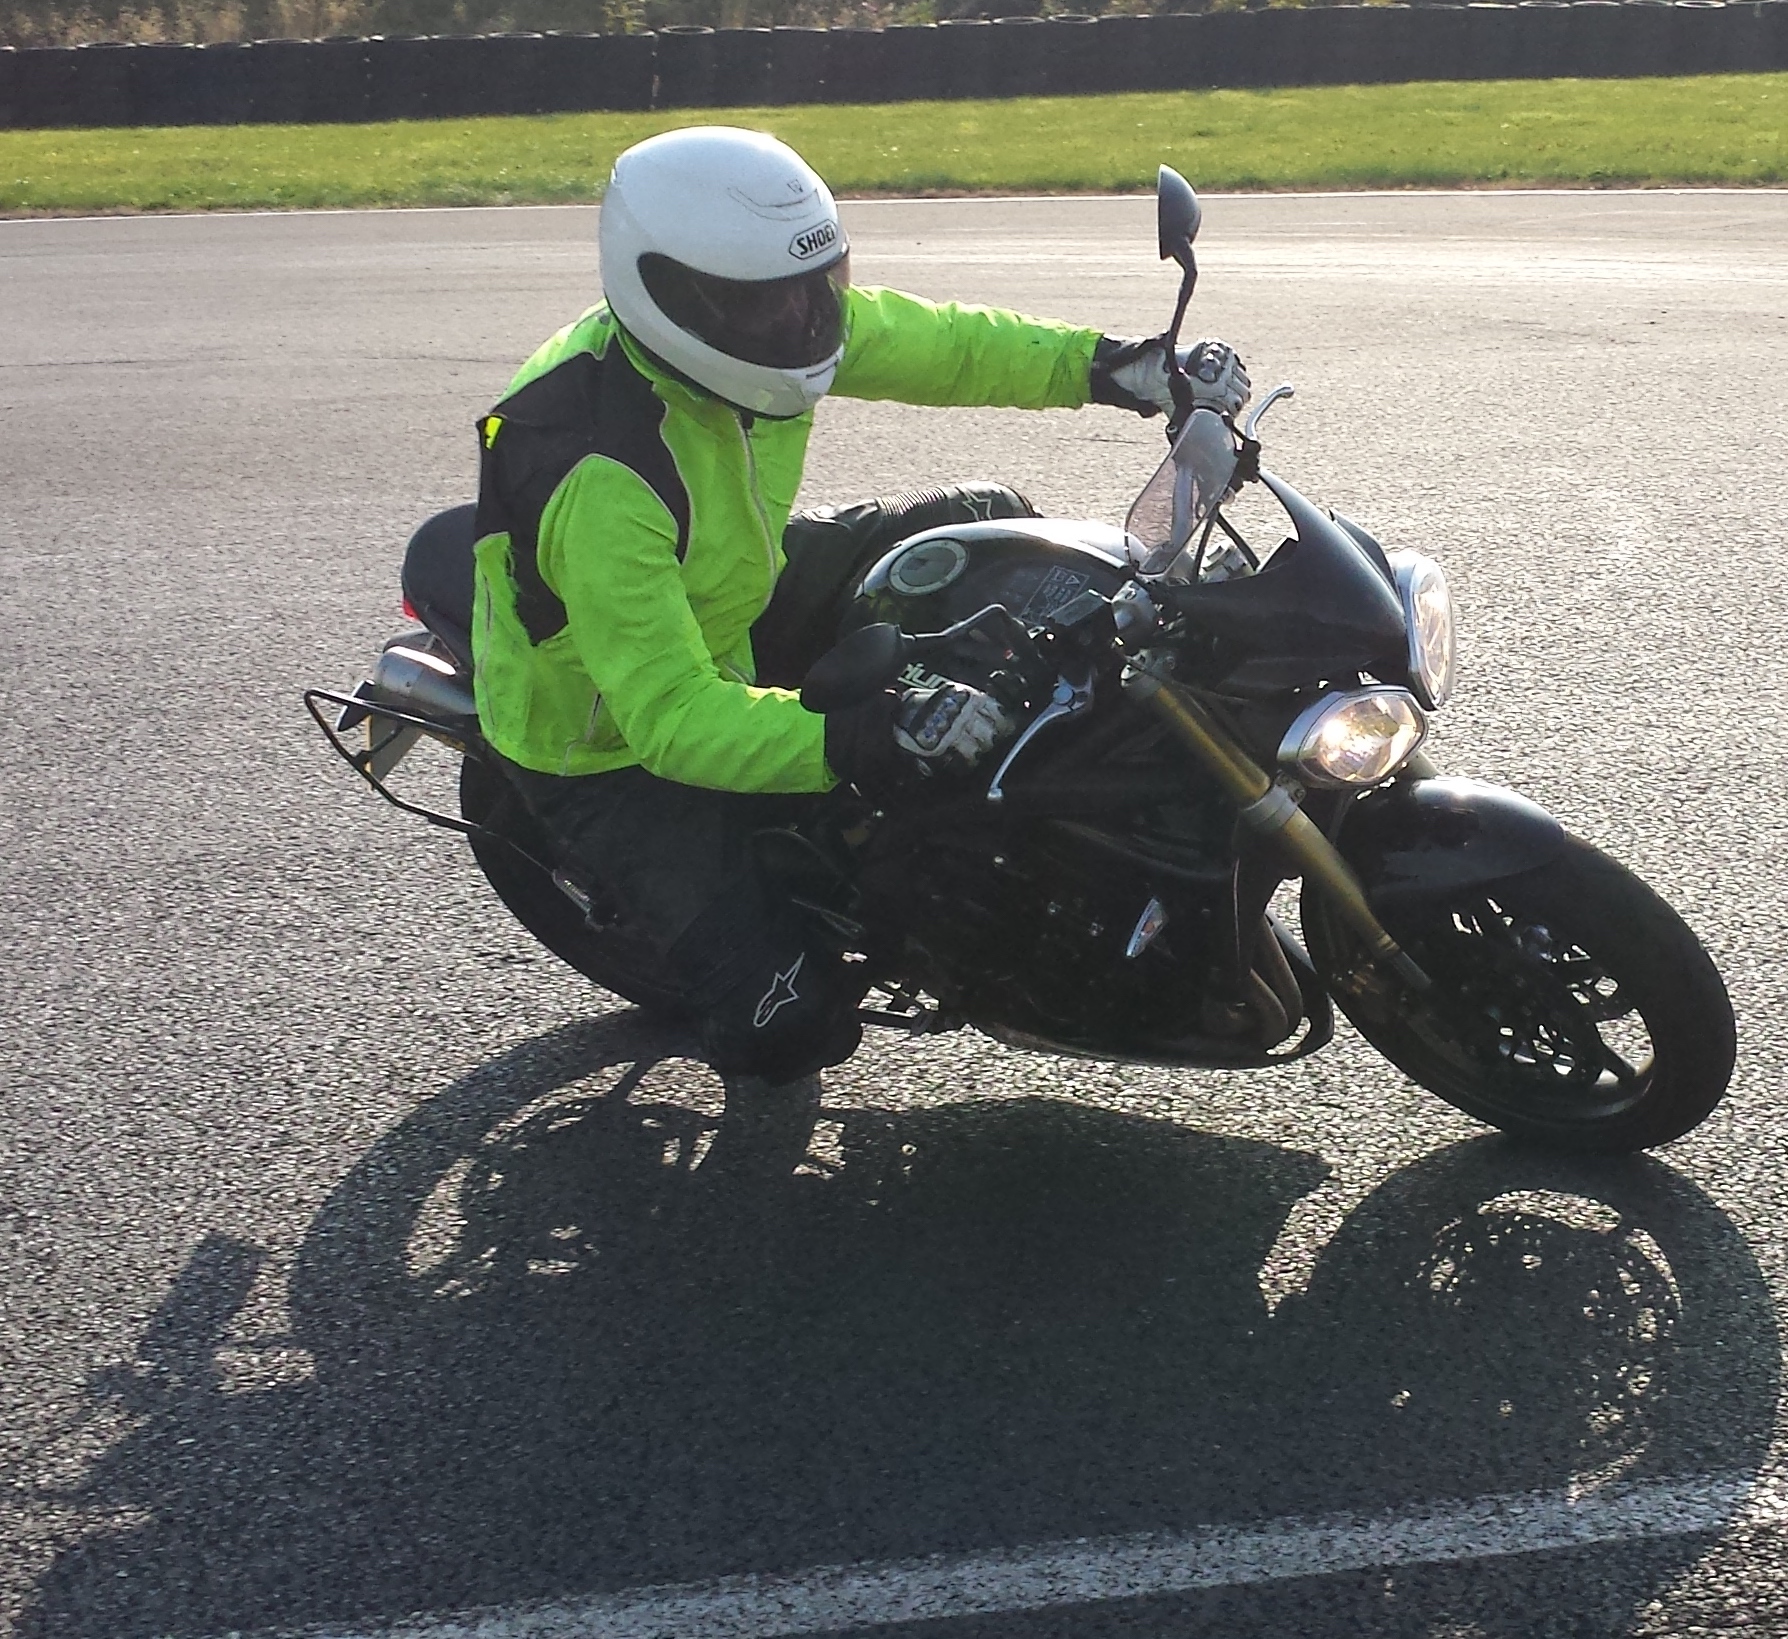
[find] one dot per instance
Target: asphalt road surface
(352, 1263)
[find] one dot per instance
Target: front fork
(1269, 811)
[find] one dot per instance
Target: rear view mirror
(856, 667)
(1177, 216)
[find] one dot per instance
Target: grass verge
(1720, 129)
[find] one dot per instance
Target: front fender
(1424, 840)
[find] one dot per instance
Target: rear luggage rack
(416, 689)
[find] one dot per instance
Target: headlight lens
(1428, 608)
(1357, 738)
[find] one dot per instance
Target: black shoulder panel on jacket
(589, 405)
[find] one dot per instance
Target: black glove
(893, 740)
(1133, 376)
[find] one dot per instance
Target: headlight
(1428, 608)
(1356, 738)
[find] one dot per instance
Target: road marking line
(1483, 191)
(831, 1599)
(1343, 259)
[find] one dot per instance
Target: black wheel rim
(1534, 1020)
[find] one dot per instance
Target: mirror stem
(1178, 381)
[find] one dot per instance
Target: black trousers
(682, 865)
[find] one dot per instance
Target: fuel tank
(1031, 565)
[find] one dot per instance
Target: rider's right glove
(1133, 376)
(889, 742)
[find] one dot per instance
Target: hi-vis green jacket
(630, 532)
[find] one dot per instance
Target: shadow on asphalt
(986, 1324)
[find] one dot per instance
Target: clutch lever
(998, 622)
(995, 617)
(1069, 699)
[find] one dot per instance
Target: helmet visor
(786, 324)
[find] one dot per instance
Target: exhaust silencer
(417, 678)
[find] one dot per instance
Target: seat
(437, 578)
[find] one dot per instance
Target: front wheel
(1571, 1006)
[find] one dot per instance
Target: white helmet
(723, 255)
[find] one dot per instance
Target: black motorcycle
(1207, 717)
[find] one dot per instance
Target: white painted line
(1530, 262)
(832, 1599)
(1465, 190)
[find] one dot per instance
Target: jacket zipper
(757, 500)
(590, 725)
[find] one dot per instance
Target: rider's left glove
(949, 728)
(888, 743)
(1133, 376)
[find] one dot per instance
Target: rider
(634, 518)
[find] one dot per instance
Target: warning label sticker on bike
(1055, 589)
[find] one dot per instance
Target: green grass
(1722, 129)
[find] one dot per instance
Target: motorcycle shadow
(548, 1357)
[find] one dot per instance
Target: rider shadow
(551, 1358)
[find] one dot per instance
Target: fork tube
(1270, 812)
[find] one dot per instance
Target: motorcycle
(1207, 717)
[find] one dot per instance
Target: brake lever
(1251, 427)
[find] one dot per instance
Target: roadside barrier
(1492, 39)
(912, 60)
(686, 77)
(967, 57)
(41, 83)
(338, 86)
(392, 77)
(98, 76)
(856, 65)
(1070, 53)
(278, 74)
(1121, 54)
(742, 58)
(1018, 63)
(405, 79)
(625, 70)
(797, 65)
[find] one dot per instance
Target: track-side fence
(447, 76)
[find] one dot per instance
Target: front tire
(1571, 1006)
(529, 893)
